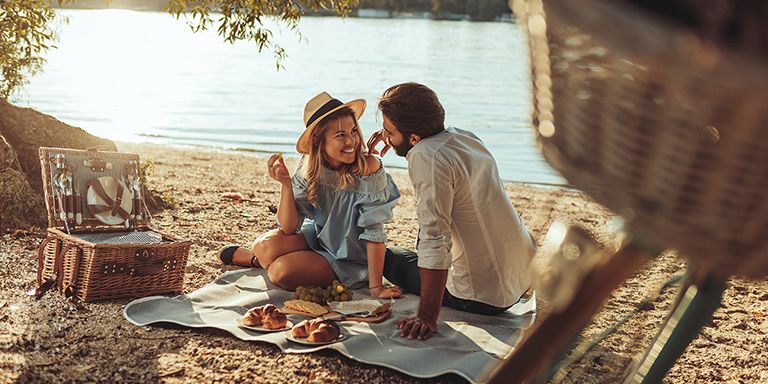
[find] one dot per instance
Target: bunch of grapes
(334, 292)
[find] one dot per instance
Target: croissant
(274, 320)
(267, 309)
(266, 315)
(252, 318)
(324, 332)
(301, 330)
(308, 327)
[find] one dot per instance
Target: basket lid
(656, 125)
(88, 189)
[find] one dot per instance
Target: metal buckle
(97, 165)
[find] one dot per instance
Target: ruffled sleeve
(376, 205)
(300, 188)
(303, 207)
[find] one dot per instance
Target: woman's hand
(278, 170)
(393, 292)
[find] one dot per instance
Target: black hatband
(327, 107)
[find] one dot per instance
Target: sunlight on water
(143, 76)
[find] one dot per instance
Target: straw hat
(319, 107)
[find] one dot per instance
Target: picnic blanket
(466, 344)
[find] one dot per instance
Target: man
(473, 249)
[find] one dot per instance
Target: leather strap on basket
(113, 206)
(70, 291)
(154, 268)
(59, 265)
(58, 271)
(44, 286)
(41, 259)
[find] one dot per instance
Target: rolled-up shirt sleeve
(433, 185)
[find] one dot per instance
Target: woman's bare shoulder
(372, 164)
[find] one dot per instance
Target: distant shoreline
(264, 153)
(361, 12)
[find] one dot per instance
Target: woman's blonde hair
(317, 158)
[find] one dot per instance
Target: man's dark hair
(414, 109)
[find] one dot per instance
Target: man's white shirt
(467, 223)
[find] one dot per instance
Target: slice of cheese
(307, 307)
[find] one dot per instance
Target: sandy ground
(51, 341)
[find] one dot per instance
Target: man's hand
(416, 328)
(376, 138)
(424, 325)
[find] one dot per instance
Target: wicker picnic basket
(88, 259)
(657, 123)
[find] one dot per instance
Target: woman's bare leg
(300, 268)
(268, 247)
(288, 260)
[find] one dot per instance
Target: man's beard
(402, 149)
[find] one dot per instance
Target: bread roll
(267, 316)
(274, 320)
(325, 332)
(267, 309)
(300, 330)
(252, 318)
(316, 330)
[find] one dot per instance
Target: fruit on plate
(322, 295)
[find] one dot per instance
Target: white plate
(239, 322)
(304, 341)
(110, 185)
(360, 308)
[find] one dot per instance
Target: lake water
(143, 76)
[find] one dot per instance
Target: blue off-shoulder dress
(344, 220)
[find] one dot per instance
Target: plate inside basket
(239, 322)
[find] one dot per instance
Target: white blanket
(466, 344)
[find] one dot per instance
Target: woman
(344, 194)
